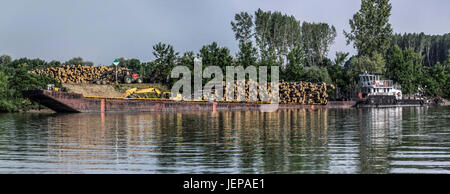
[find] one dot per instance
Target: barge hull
(65, 102)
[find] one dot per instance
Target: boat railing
(378, 83)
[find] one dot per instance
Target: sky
(102, 30)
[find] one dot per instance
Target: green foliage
(11, 88)
(213, 55)
(295, 66)
(437, 80)
(316, 41)
(433, 48)
(247, 55)
(374, 64)
(187, 60)
(6, 100)
(405, 68)
(5, 59)
(78, 61)
(242, 27)
(276, 34)
(316, 74)
(340, 59)
(370, 28)
(166, 58)
(338, 74)
(141, 68)
(31, 64)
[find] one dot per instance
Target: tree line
(300, 49)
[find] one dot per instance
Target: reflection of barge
(75, 103)
(374, 92)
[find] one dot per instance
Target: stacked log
(77, 74)
(289, 92)
(304, 92)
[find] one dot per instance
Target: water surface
(391, 140)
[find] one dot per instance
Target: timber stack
(76, 74)
(290, 92)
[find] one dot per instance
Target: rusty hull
(65, 102)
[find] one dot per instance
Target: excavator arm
(129, 92)
(141, 91)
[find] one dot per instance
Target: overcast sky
(101, 30)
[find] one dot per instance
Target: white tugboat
(374, 92)
(371, 85)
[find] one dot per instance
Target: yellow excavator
(154, 91)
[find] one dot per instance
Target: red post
(214, 107)
(102, 106)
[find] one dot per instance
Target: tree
(316, 41)
(11, 98)
(187, 60)
(78, 61)
(316, 74)
(133, 64)
(242, 27)
(54, 63)
(276, 35)
(165, 60)
(295, 66)
(6, 102)
(213, 55)
(374, 64)
(338, 74)
(433, 48)
(405, 68)
(247, 55)
(5, 59)
(31, 63)
(340, 58)
(437, 79)
(371, 31)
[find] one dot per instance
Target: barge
(373, 93)
(377, 93)
(66, 102)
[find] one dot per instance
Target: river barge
(66, 102)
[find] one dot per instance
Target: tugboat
(374, 92)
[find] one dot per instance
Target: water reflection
(287, 141)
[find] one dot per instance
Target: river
(389, 140)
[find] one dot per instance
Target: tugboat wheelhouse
(371, 85)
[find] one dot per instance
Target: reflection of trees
(20, 133)
(253, 141)
(343, 141)
(286, 141)
(281, 141)
(87, 139)
(378, 129)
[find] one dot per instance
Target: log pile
(290, 92)
(77, 74)
(304, 92)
